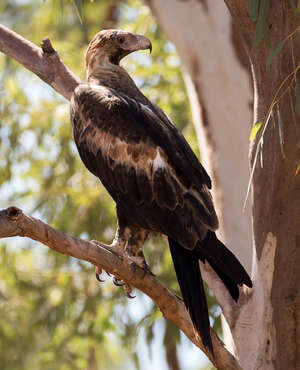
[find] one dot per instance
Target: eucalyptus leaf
(78, 7)
(273, 54)
(253, 7)
(261, 22)
(254, 130)
(280, 128)
(297, 126)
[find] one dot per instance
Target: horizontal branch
(45, 62)
(13, 222)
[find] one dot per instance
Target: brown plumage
(150, 171)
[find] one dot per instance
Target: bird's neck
(115, 77)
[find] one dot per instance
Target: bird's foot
(128, 290)
(98, 272)
(134, 262)
(114, 248)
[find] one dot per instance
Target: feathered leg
(128, 245)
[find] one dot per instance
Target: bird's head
(108, 47)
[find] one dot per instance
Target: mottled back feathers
(141, 158)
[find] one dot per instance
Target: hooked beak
(140, 43)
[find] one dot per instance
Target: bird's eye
(121, 40)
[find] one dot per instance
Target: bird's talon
(117, 283)
(128, 290)
(98, 278)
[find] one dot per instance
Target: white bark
(254, 329)
(218, 84)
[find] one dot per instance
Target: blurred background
(53, 312)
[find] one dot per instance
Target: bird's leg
(133, 253)
(117, 247)
(127, 245)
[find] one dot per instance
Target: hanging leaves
(297, 126)
(261, 21)
(253, 7)
(78, 7)
(274, 53)
(277, 50)
(280, 129)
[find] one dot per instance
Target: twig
(13, 222)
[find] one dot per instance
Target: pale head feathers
(108, 47)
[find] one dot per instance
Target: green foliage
(261, 26)
(280, 130)
(54, 313)
(255, 130)
(297, 95)
(254, 8)
(274, 53)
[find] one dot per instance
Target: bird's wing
(141, 159)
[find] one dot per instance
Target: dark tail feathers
(186, 264)
(190, 281)
(224, 262)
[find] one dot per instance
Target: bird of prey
(151, 172)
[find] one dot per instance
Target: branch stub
(13, 213)
(47, 46)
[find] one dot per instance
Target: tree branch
(13, 222)
(45, 62)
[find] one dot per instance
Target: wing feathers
(136, 151)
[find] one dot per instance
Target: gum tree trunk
(276, 196)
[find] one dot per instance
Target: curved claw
(130, 296)
(117, 283)
(98, 278)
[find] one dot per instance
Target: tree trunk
(266, 325)
(276, 200)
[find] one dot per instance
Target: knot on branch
(47, 47)
(13, 213)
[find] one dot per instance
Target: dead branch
(13, 222)
(45, 62)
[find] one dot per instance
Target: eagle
(152, 174)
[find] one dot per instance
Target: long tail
(224, 262)
(191, 285)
